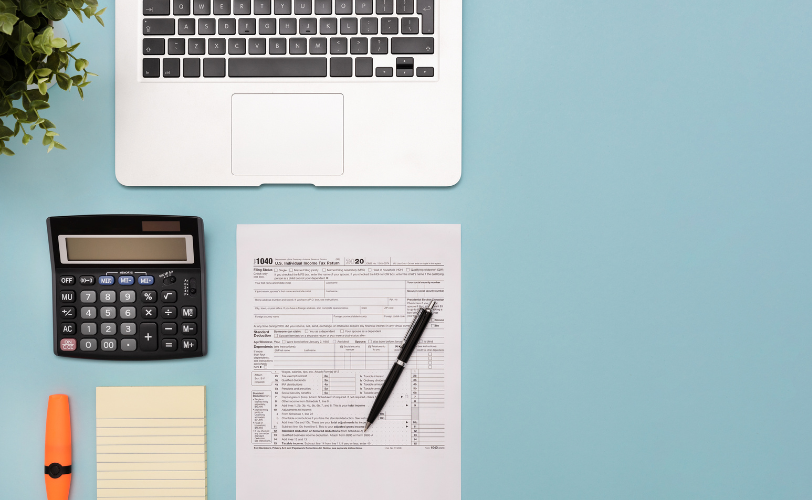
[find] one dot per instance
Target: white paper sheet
(321, 314)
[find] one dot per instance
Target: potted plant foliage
(31, 58)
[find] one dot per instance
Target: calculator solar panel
(128, 287)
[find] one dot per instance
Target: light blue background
(635, 204)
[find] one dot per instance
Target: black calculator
(128, 287)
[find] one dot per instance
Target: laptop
(322, 92)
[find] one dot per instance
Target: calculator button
(87, 296)
(107, 280)
(149, 336)
(188, 344)
(67, 296)
(108, 328)
(169, 312)
(88, 328)
(149, 296)
(87, 280)
(169, 344)
(67, 280)
(107, 296)
(108, 345)
(128, 344)
(128, 328)
(108, 312)
(189, 328)
(67, 345)
(89, 312)
(146, 280)
(126, 296)
(68, 328)
(127, 312)
(169, 296)
(126, 280)
(67, 312)
(149, 312)
(87, 344)
(169, 328)
(188, 312)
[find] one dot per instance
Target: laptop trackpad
(287, 134)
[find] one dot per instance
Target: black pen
(412, 338)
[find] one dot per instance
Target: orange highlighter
(57, 448)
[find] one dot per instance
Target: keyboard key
(277, 66)
(369, 25)
(338, 45)
(328, 26)
(149, 296)
(188, 312)
(170, 296)
(384, 7)
(176, 47)
(307, 26)
(149, 312)
(68, 328)
(88, 344)
(359, 45)
(67, 345)
(67, 296)
(186, 26)
(340, 66)
(67, 280)
(217, 46)
(67, 312)
(363, 66)
(202, 7)
(267, 26)
(126, 280)
(405, 6)
(247, 26)
(277, 46)
(169, 312)
(262, 7)
(188, 344)
(318, 46)
(87, 297)
(156, 7)
(214, 68)
(413, 45)
(128, 345)
(236, 46)
(409, 25)
(389, 26)
(425, 72)
(298, 46)
(89, 329)
(287, 26)
(155, 27)
(226, 26)
(197, 46)
(324, 7)
(189, 328)
(87, 280)
(154, 46)
(384, 72)
(343, 7)
(107, 296)
(242, 7)
(303, 7)
(379, 45)
(109, 280)
(128, 328)
(206, 26)
(405, 72)
(148, 336)
(89, 312)
(222, 7)
(108, 328)
(108, 345)
(191, 68)
(128, 296)
(146, 280)
(108, 312)
(182, 7)
(363, 6)
(282, 7)
(426, 9)
(170, 344)
(256, 47)
(127, 312)
(349, 26)
(169, 328)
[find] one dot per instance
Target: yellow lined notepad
(151, 443)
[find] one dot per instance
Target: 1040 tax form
(322, 312)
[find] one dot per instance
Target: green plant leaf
(6, 71)
(30, 8)
(5, 133)
(58, 43)
(81, 64)
(19, 40)
(60, 146)
(27, 138)
(42, 72)
(6, 151)
(7, 22)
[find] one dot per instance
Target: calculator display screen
(126, 249)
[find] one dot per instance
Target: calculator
(128, 287)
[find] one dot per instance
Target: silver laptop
(323, 92)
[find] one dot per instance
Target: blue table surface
(635, 206)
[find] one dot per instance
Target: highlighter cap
(58, 460)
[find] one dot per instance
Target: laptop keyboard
(323, 39)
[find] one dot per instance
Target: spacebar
(277, 66)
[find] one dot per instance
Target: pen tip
(367, 426)
(431, 306)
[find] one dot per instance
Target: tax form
(322, 312)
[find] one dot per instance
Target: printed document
(322, 312)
